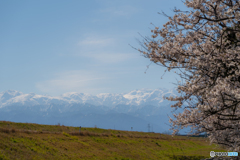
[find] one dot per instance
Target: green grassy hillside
(32, 141)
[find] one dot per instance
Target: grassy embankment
(32, 141)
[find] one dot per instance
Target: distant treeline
(201, 135)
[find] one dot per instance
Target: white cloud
(93, 81)
(72, 81)
(109, 57)
(125, 11)
(101, 49)
(96, 42)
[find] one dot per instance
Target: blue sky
(58, 46)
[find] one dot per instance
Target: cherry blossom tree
(203, 44)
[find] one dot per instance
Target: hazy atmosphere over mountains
(136, 109)
(54, 47)
(80, 53)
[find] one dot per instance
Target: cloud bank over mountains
(136, 109)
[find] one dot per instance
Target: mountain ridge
(135, 97)
(137, 109)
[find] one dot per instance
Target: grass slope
(33, 141)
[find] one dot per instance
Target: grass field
(27, 141)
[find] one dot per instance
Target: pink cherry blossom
(204, 45)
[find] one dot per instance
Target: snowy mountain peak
(5, 96)
(69, 94)
(10, 93)
(136, 97)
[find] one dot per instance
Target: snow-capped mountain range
(136, 109)
(136, 97)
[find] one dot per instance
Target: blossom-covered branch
(205, 43)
